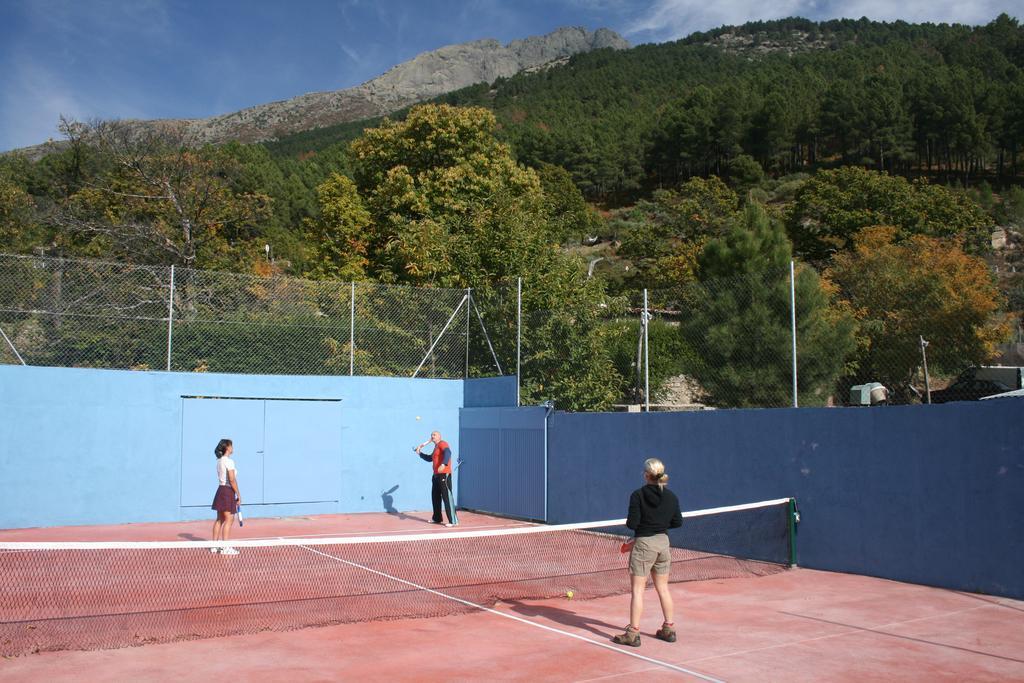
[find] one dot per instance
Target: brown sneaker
(631, 637)
(666, 633)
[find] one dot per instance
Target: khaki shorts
(650, 552)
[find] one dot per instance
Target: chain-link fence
(78, 313)
(776, 339)
(722, 343)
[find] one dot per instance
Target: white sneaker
(215, 550)
(228, 551)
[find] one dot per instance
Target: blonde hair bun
(654, 470)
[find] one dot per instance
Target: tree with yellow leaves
(924, 286)
(339, 234)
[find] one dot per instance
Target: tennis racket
(627, 546)
(238, 514)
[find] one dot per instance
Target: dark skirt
(224, 500)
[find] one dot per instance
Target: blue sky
(197, 58)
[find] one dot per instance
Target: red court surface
(798, 625)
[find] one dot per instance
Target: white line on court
(850, 631)
(371, 532)
(519, 619)
(619, 675)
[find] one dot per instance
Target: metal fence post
(13, 347)
(352, 332)
(647, 357)
(469, 305)
(924, 359)
(519, 335)
(170, 320)
(792, 318)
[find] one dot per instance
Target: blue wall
(503, 469)
(490, 392)
(83, 446)
(926, 494)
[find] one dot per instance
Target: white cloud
(672, 19)
(33, 97)
(350, 53)
(103, 20)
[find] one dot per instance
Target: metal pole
(924, 360)
(170, 319)
(487, 338)
(550, 408)
(13, 348)
(469, 316)
(352, 331)
(792, 320)
(434, 343)
(519, 335)
(647, 357)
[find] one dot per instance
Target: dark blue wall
(926, 494)
(490, 392)
(502, 455)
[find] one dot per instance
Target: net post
(792, 532)
(170, 319)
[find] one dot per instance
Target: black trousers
(441, 491)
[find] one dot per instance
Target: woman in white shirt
(227, 498)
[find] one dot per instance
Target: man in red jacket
(441, 481)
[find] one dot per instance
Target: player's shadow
(565, 617)
(191, 537)
(389, 503)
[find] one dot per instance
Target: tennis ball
(417, 417)
(569, 594)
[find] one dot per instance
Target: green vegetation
(880, 156)
(739, 321)
(935, 100)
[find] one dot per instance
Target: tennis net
(96, 595)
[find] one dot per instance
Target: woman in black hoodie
(653, 510)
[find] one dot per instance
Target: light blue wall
(84, 446)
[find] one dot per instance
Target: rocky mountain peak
(424, 77)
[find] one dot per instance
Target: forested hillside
(947, 101)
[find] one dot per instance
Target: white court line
(519, 619)
(852, 630)
(618, 675)
(372, 532)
